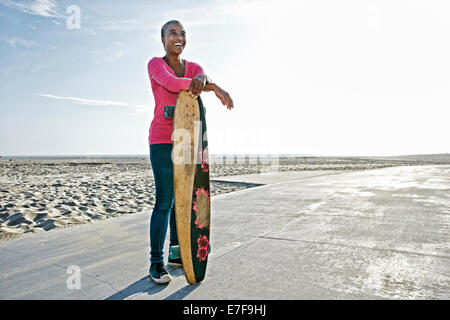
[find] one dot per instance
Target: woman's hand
(197, 85)
(224, 97)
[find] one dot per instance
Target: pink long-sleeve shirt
(166, 86)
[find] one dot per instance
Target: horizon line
(216, 155)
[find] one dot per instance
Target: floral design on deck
(201, 206)
(203, 244)
(205, 160)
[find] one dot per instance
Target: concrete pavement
(378, 234)
(276, 177)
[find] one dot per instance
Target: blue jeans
(161, 161)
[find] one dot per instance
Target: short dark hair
(163, 29)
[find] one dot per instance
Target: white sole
(164, 279)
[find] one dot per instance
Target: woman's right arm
(164, 78)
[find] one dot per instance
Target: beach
(46, 193)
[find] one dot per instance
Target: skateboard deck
(191, 185)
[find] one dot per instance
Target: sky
(336, 78)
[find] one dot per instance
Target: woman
(168, 76)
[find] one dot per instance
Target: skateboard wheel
(169, 111)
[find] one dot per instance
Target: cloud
(120, 24)
(18, 42)
(92, 102)
(107, 55)
(218, 12)
(221, 12)
(38, 68)
(44, 8)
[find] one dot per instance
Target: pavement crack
(338, 245)
(244, 245)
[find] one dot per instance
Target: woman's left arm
(201, 82)
(223, 96)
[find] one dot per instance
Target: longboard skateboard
(191, 185)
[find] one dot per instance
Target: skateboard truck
(170, 110)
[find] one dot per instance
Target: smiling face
(174, 38)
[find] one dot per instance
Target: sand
(42, 194)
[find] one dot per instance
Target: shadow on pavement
(183, 292)
(145, 285)
(142, 285)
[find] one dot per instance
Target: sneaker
(174, 256)
(158, 273)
